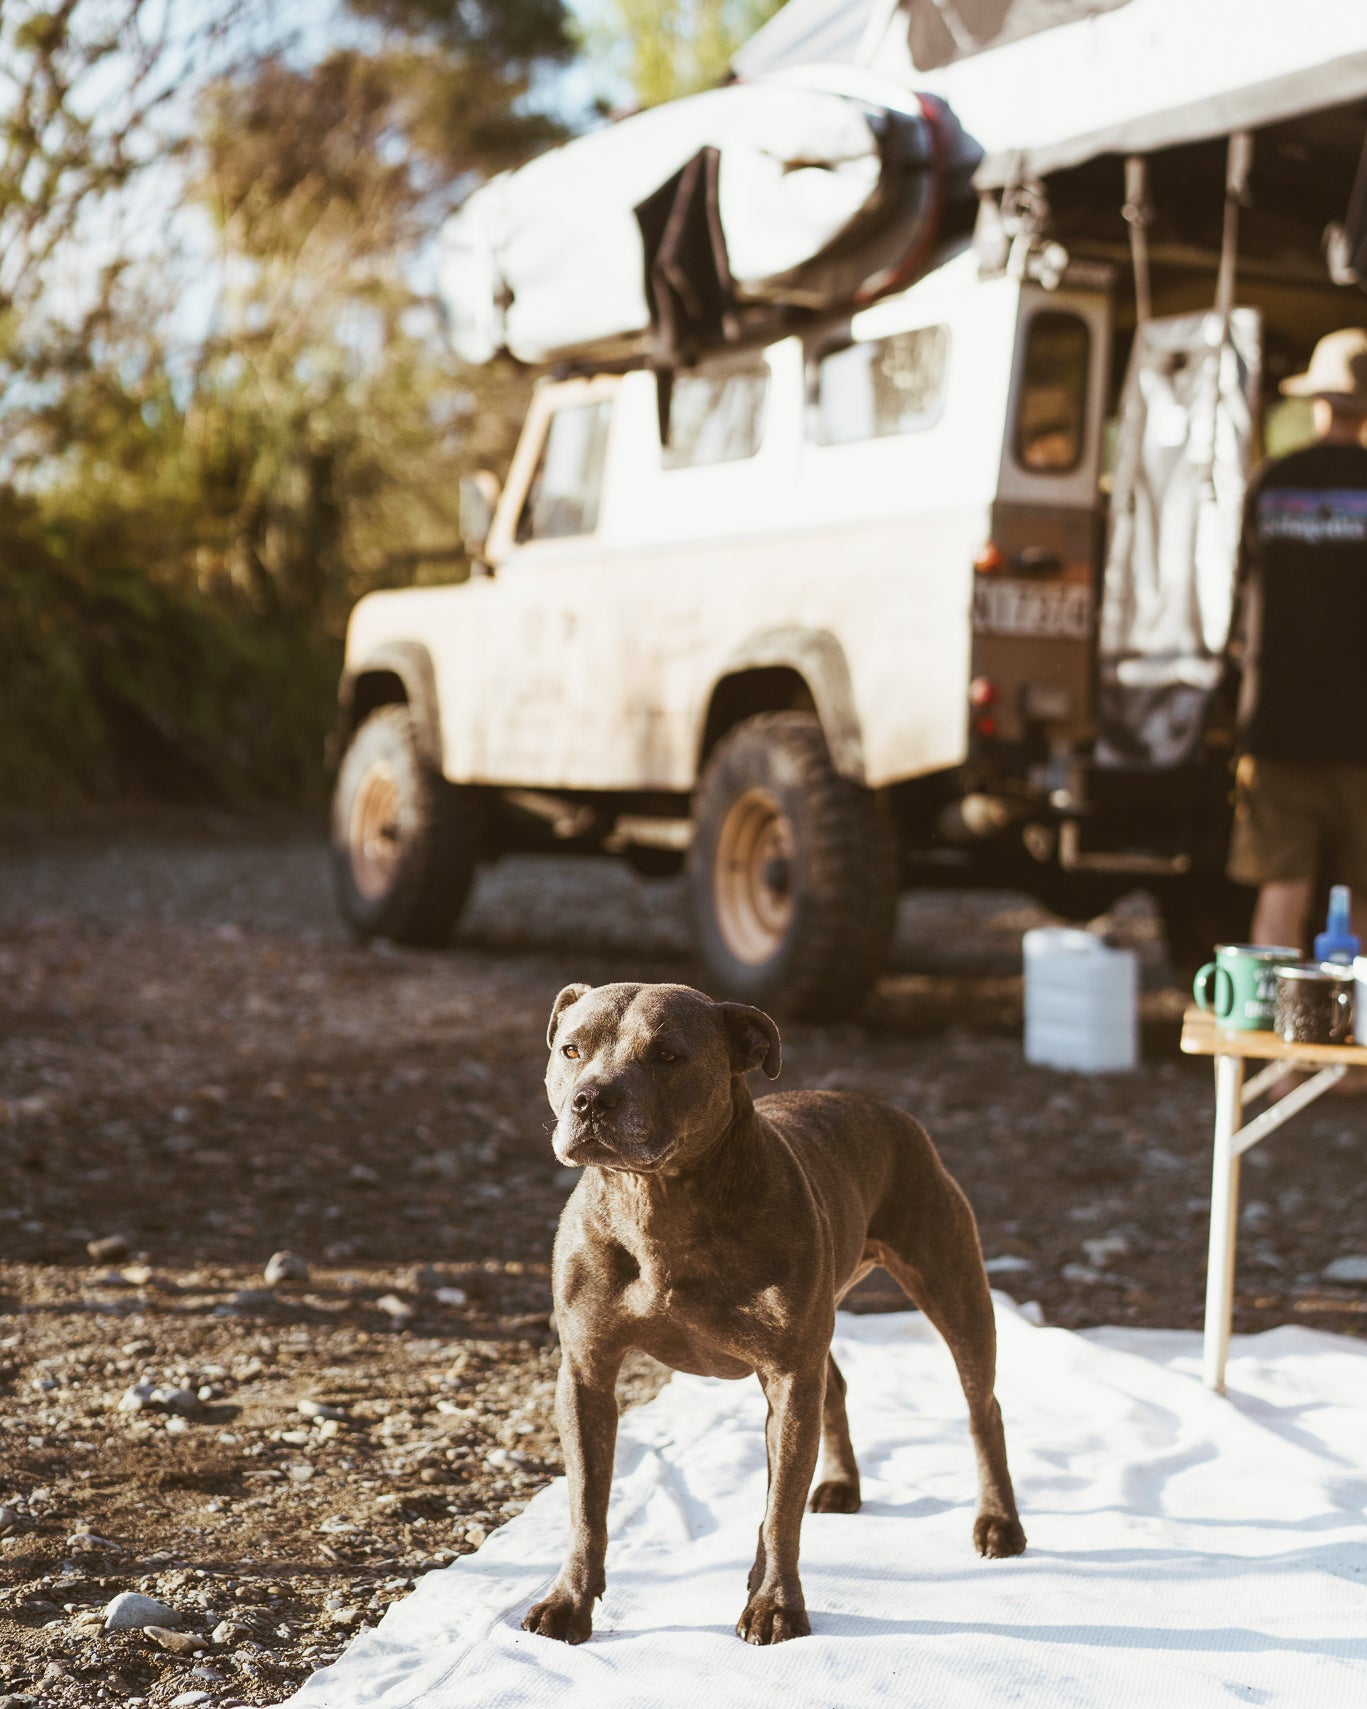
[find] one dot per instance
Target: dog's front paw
(561, 1616)
(768, 1621)
(996, 1537)
(836, 1495)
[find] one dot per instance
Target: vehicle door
(1035, 593)
(530, 629)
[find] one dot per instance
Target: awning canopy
(1046, 84)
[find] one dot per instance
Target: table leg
(1224, 1216)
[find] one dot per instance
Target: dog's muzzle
(581, 1140)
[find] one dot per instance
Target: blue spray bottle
(1336, 942)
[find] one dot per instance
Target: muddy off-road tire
(405, 842)
(792, 873)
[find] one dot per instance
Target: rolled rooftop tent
(1045, 84)
(700, 222)
(845, 155)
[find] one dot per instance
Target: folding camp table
(1202, 1037)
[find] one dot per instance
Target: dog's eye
(570, 1050)
(666, 1056)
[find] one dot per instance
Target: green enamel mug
(1240, 986)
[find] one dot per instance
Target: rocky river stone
(286, 1266)
(1352, 1270)
(106, 1250)
(177, 1643)
(171, 1399)
(132, 1612)
(318, 1409)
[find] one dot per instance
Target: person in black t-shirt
(1301, 797)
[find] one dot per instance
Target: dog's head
(644, 1077)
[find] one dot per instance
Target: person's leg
(1280, 915)
(1275, 844)
(1352, 788)
(1352, 818)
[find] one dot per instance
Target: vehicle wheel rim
(373, 833)
(752, 880)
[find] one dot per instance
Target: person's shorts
(1299, 819)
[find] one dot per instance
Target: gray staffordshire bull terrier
(719, 1235)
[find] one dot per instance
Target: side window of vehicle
(567, 485)
(1051, 408)
(715, 418)
(882, 386)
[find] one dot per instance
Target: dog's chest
(694, 1315)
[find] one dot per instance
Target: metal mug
(1240, 986)
(1360, 1000)
(1314, 1003)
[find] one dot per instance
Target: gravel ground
(198, 1070)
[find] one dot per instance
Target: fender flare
(819, 659)
(411, 662)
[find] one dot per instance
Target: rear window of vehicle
(567, 487)
(715, 418)
(881, 386)
(1051, 408)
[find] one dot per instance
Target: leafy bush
(112, 683)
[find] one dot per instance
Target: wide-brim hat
(1337, 371)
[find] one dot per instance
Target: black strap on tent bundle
(1238, 165)
(1138, 215)
(688, 280)
(1346, 244)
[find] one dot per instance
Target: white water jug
(1081, 1002)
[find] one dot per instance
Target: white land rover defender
(838, 635)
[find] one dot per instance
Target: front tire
(405, 842)
(792, 873)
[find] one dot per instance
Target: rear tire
(405, 842)
(792, 873)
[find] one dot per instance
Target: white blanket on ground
(1186, 1551)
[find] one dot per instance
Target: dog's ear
(571, 994)
(754, 1039)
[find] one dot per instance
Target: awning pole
(1138, 213)
(1238, 163)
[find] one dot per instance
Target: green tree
(183, 533)
(84, 88)
(666, 48)
(334, 420)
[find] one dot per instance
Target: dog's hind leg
(936, 1260)
(838, 1488)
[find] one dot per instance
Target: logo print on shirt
(1335, 516)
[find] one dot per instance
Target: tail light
(990, 559)
(982, 697)
(982, 691)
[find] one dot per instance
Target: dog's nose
(593, 1097)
